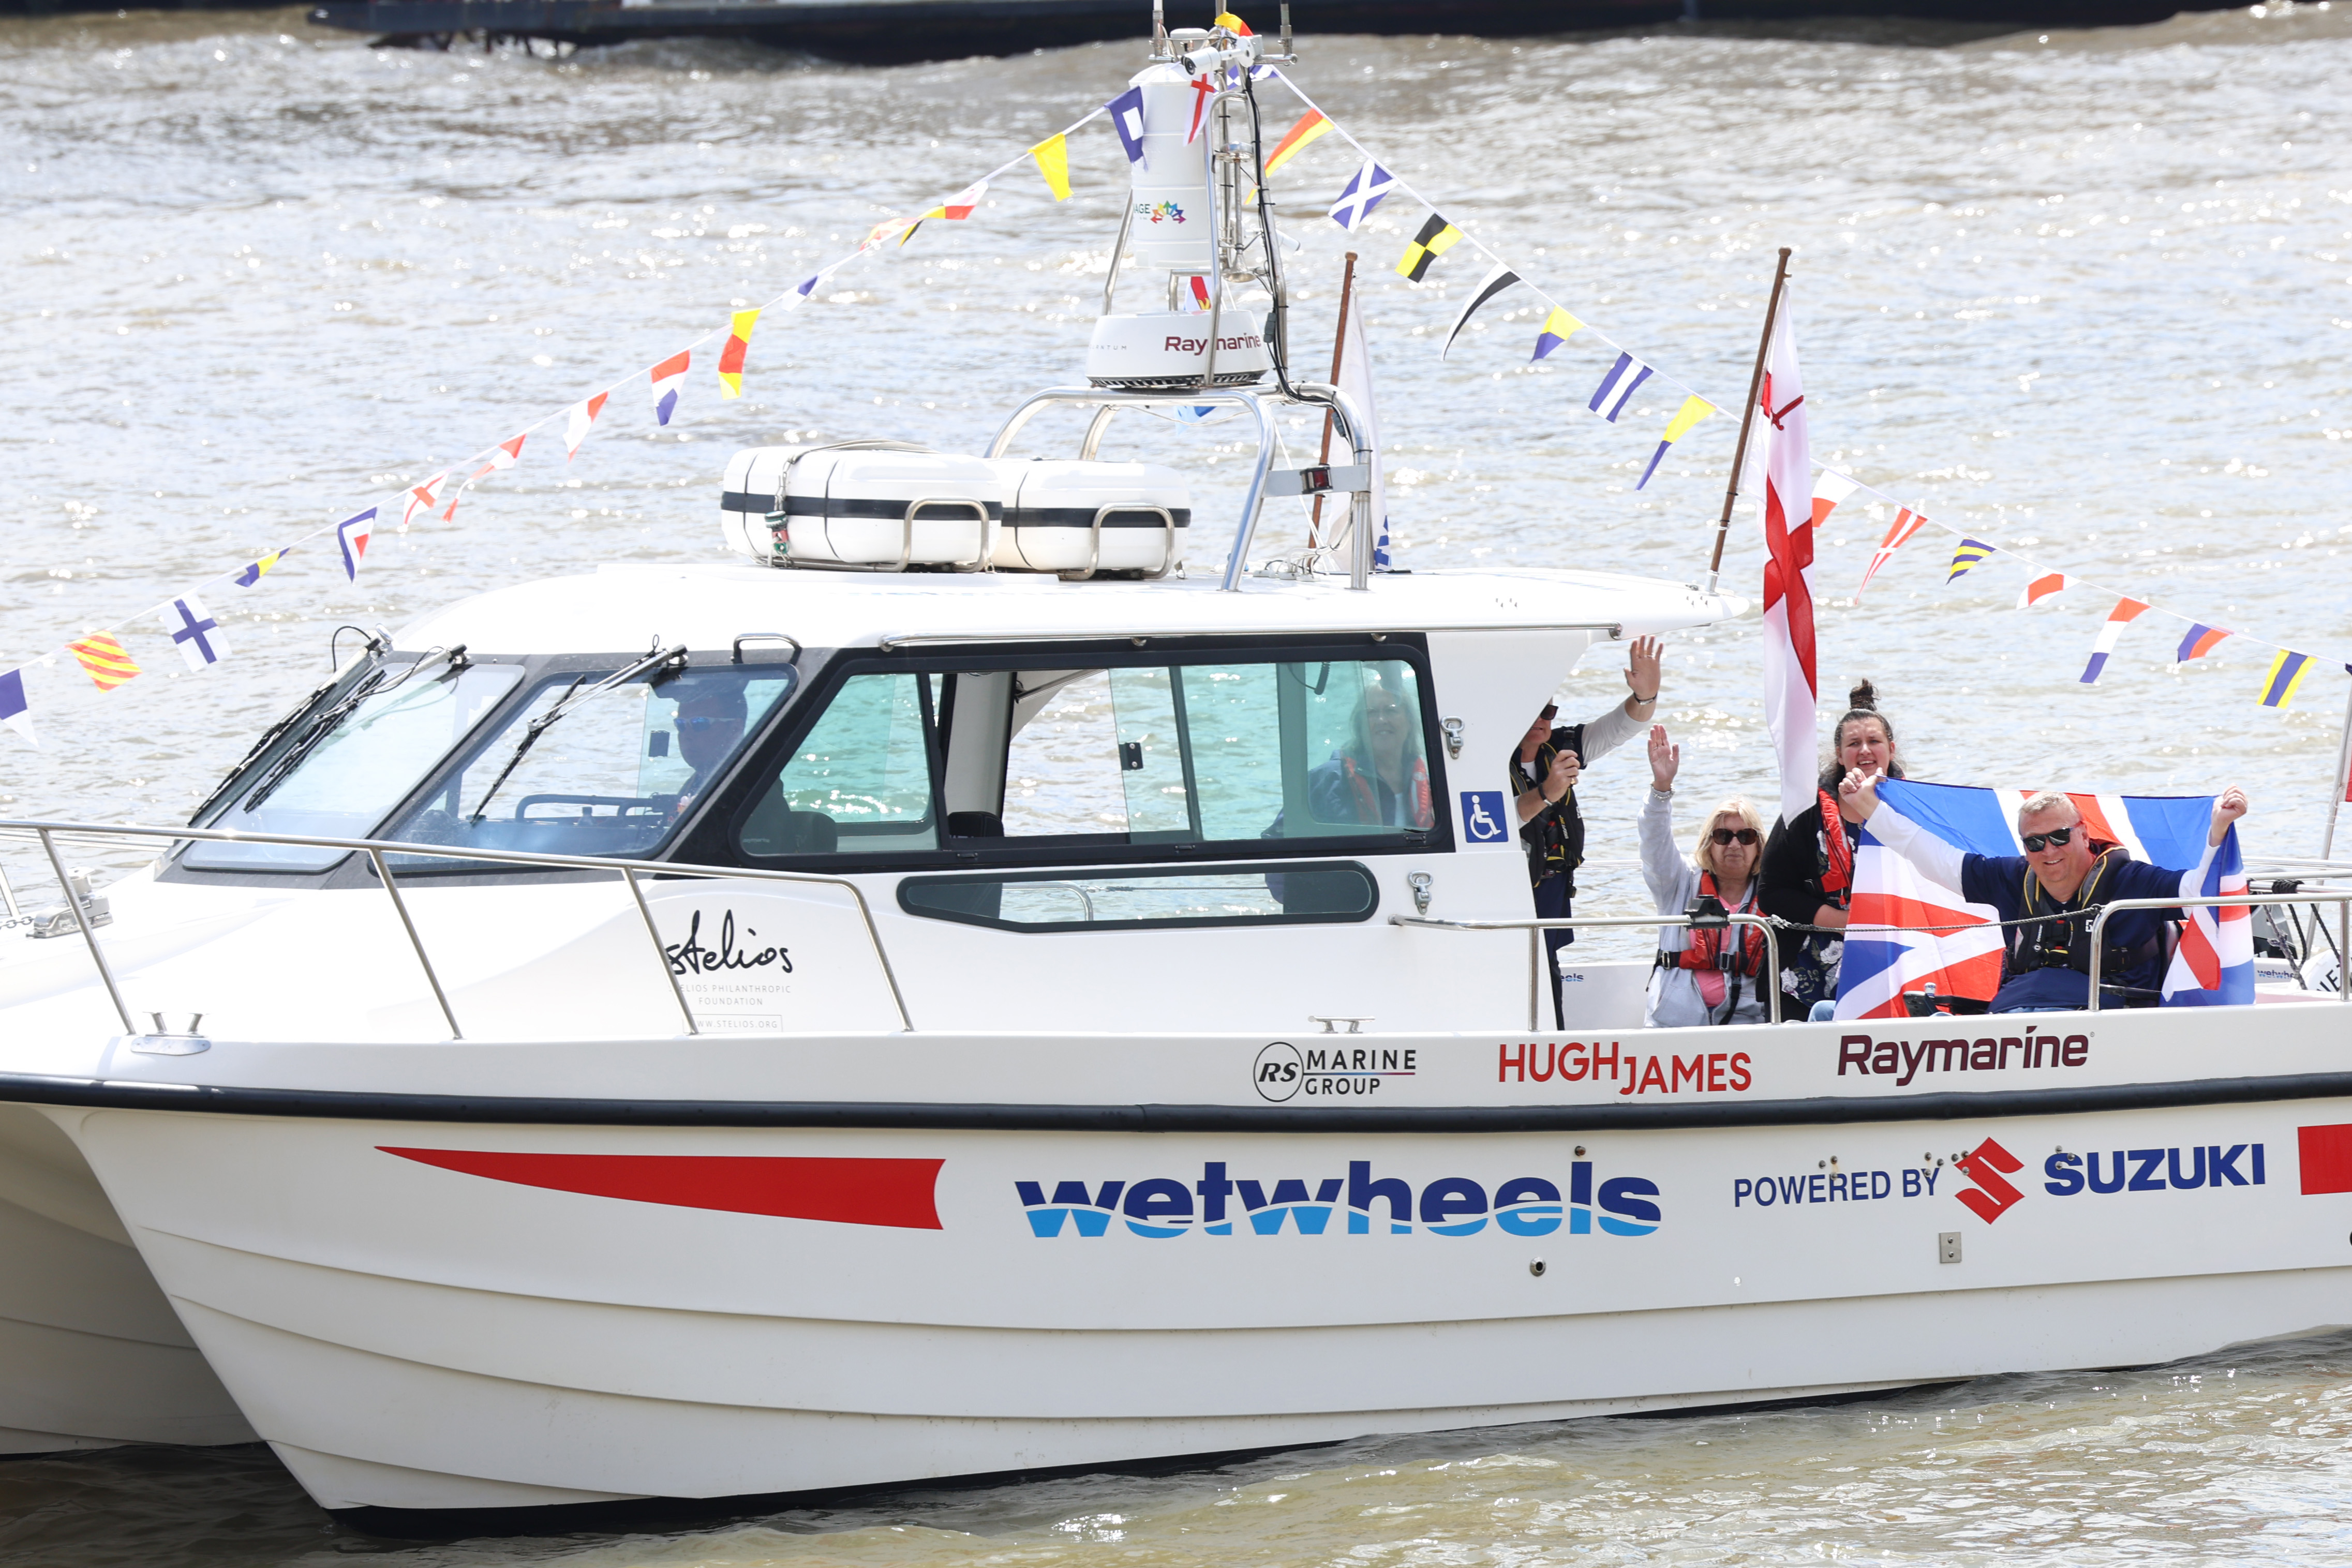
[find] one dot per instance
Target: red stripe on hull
(845, 1191)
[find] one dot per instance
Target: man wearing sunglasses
(2055, 889)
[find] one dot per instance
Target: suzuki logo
(1986, 1165)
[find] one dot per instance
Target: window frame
(1173, 923)
(716, 838)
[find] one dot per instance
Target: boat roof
(623, 606)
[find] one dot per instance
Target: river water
(2088, 295)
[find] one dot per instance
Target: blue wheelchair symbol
(1482, 816)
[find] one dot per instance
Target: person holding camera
(1705, 974)
(1545, 766)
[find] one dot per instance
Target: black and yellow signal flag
(1436, 237)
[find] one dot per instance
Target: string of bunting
(202, 643)
(1372, 181)
(199, 634)
(2287, 667)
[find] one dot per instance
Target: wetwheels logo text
(1219, 1204)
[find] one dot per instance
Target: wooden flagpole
(1339, 345)
(2343, 780)
(1747, 418)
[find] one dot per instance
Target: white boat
(705, 1032)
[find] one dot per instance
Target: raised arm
(2231, 806)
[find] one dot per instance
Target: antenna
(1158, 30)
(1287, 52)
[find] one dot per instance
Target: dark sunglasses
(1551, 710)
(2059, 836)
(698, 722)
(1733, 835)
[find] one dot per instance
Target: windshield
(341, 770)
(603, 774)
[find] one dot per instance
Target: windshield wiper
(373, 685)
(573, 698)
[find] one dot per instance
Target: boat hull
(93, 1353)
(450, 1313)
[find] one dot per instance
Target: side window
(858, 783)
(1309, 749)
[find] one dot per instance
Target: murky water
(2088, 295)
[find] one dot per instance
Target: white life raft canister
(1071, 516)
(885, 504)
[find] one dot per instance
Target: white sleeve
(1671, 877)
(1610, 731)
(1915, 843)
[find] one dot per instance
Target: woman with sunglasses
(2058, 885)
(1704, 975)
(1808, 863)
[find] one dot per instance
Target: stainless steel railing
(2342, 900)
(377, 849)
(1536, 953)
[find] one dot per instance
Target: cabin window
(341, 768)
(859, 782)
(1147, 898)
(1250, 754)
(582, 770)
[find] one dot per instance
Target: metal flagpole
(2342, 780)
(1747, 418)
(1339, 346)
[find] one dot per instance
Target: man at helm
(2055, 889)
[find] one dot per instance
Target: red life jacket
(1838, 875)
(1367, 801)
(1705, 953)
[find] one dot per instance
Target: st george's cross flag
(668, 378)
(1909, 927)
(196, 633)
(1366, 189)
(1780, 474)
(423, 497)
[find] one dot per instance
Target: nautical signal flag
(1367, 188)
(1557, 328)
(577, 421)
(1694, 409)
(1232, 24)
(352, 539)
(668, 378)
(2126, 611)
(1494, 283)
(1127, 118)
(1311, 125)
(1436, 237)
(14, 711)
(103, 659)
(1898, 533)
(2042, 588)
(1829, 488)
(730, 357)
(255, 570)
(1052, 157)
(425, 497)
(198, 635)
(2286, 673)
(505, 454)
(1617, 388)
(954, 210)
(2201, 640)
(1966, 557)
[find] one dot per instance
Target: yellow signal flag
(730, 357)
(104, 661)
(1694, 409)
(1053, 158)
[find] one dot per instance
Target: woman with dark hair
(1808, 875)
